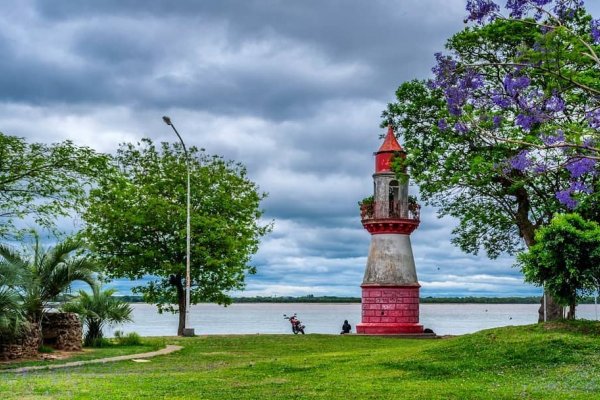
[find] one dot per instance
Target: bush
(130, 339)
(98, 342)
(45, 349)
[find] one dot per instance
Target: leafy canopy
(43, 181)
(565, 258)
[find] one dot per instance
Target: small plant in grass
(130, 339)
(45, 349)
(98, 342)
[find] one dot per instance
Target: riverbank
(551, 361)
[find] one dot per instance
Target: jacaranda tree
(505, 133)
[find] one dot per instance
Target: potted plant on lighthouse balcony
(367, 207)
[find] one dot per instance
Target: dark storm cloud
(286, 58)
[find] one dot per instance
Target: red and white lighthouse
(390, 289)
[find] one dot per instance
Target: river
(261, 318)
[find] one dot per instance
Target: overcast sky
(293, 89)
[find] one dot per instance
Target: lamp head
(167, 120)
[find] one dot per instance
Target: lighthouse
(390, 289)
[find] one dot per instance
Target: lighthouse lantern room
(390, 289)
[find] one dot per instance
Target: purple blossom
(580, 187)
(593, 118)
(566, 8)
(580, 166)
(595, 26)
(455, 97)
(521, 161)
(457, 87)
(442, 124)
(501, 101)
(588, 142)
(471, 80)
(444, 71)
(518, 8)
(525, 121)
(564, 197)
(460, 127)
(540, 168)
(553, 139)
(555, 104)
(479, 10)
(497, 121)
(513, 85)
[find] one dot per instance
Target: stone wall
(63, 331)
(24, 346)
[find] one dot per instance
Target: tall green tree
(46, 273)
(98, 310)
(136, 224)
(565, 259)
(43, 181)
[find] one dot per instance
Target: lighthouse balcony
(389, 210)
(390, 217)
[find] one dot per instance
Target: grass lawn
(555, 361)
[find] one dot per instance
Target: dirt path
(167, 350)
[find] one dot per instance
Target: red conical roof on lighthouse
(387, 151)
(390, 143)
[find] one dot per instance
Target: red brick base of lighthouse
(390, 310)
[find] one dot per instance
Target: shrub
(130, 339)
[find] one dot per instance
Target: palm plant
(44, 274)
(12, 317)
(98, 309)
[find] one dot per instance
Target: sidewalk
(167, 350)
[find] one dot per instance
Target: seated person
(346, 328)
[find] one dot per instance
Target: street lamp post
(187, 331)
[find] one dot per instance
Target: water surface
(253, 318)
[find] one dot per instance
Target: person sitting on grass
(346, 328)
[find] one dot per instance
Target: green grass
(558, 361)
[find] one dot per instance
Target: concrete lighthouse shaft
(390, 289)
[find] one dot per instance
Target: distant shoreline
(336, 299)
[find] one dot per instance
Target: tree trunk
(554, 311)
(178, 282)
(571, 313)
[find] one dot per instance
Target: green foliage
(565, 258)
(98, 309)
(45, 349)
(12, 316)
(544, 361)
(136, 223)
(98, 342)
(43, 181)
(41, 275)
(129, 339)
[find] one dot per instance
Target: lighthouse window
(394, 190)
